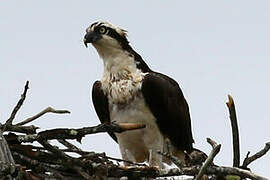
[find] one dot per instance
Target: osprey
(129, 91)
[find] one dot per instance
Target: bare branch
(19, 104)
(69, 161)
(103, 155)
(71, 147)
(82, 172)
(235, 132)
(209, 160)
(223, 171)
(37, 164)
(21, 129)
(65, 133)
(259, 154)
(47, 110)
(54, 149)
(48, 161)
(115, 171)
(174, 159)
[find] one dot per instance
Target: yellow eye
(102, 30)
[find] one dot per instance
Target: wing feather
(167, 103)
(101, 105)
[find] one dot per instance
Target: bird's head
(113, 46)
(103, 35)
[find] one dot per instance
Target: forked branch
(216, 148)
(46, 110)
(259, 154)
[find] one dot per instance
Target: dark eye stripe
(113, 34)
(124, 43)
(93, 24)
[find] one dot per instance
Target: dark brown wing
(101, 105)
(167, 103)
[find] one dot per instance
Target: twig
(223, 171)
(80, 171)
(54, 149)
(235, 132)
(179, 163)
(47, 110)
(19, 104)
(259, 154)
(71, 147)
(174, 159)
(212, 142)
(196, 157)
(36, 163)
(65, 133)
(119, 160)
(79, 151)
(51, 162)
(115, 171)
(216, 148)
(21, 129)
(69, 161)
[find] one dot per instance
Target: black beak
(91, 37)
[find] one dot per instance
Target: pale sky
(212, 48)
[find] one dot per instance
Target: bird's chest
(122, 88)
(126, 102)
(135, 111)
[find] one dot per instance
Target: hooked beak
(91, 37)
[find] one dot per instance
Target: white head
(113, 46)
(108, 39)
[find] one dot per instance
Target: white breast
(123, 86)
(136, 145)
(135, 111)
(126, 104)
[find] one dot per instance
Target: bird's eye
(102, 30)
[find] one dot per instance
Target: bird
(129, 91)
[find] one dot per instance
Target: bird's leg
(155, 159)
(154, 142)
(126, 155)
(169, 146)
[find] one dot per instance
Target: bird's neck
(121, 78)
(116, 61)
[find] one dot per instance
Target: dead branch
(115, 171)
(235, 132)
(51, 162)
(47, 110)
(19, 104)
(71, 147)
(20, 129)
(174, 159)
(79, 133)
(216, 148)
(259, 154)
(103, 155)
